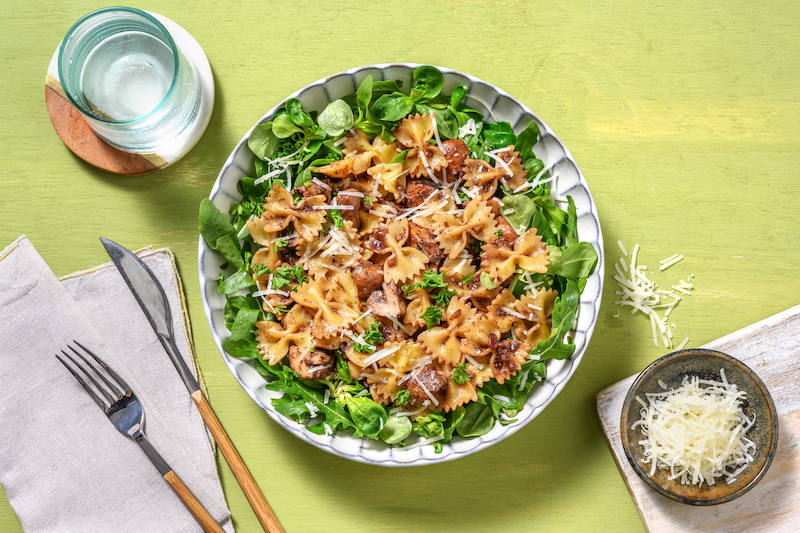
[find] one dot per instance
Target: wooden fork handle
(195, 507)
(251, 491)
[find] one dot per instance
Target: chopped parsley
(460, 374)
(443, 297)
(475, 247)
(499, 233)
(373, 338)
(402, 397)
(430, 280)
(260, 270)
(280, 243)
(336, 217)
(284, 275)
(367, 201)
(342, 368)
(432, 316)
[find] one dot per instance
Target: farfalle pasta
(396, 267)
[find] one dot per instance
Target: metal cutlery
(153, 300)
(123, 408)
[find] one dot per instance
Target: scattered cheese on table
(640, 293)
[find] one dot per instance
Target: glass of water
(123, 71)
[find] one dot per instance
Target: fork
(122, 407)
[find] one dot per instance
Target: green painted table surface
(682, 115)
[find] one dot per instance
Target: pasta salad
(397, 265)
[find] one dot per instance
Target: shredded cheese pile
(696, 431)
(640, 293)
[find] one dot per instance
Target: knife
(153, 301)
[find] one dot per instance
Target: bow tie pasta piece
(480, 177)
(508, 358)
(275, 339)
(540, 308)
(280, 211)
(512, 160)
(423, 159)
(453, 231)
(358, 147)
(443, 342)
(335, 301)
(529, 253)
(268, 256)
(384, 151)
(415, 131)
(387, 380)
(404, 262)
(389, 175)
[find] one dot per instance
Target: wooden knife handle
(194, 506)
(251, 491)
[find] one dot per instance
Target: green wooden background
(682, 115)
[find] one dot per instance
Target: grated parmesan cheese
(380, 354)
(640, 293)
(697, 431)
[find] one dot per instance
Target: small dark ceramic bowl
(705, 364)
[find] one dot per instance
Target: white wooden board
(771, 348)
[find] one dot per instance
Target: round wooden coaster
(84, 143)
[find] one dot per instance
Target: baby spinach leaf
(396, 429)
(363, 97)
(571, 225)
(487, 281)
(524, 209)
(241, 279)
(242, 348)
(527, 139)
(229, 248)
(563, 317)
(573, 262)
(497, 135)
(367, 415)
(399, 158)
(381, 87)
(446, 123)
(336, 118)
(219, 233)
(392, 107)
(262, 142)
(283, 126)
(429, 80)
(533, 167)
(458, 96)
(300, 117)
(245, 323)
(543, 228)
(478, 420)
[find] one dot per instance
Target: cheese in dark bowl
(699, 427)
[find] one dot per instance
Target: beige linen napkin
(64, 466)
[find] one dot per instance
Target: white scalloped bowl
(496, 105)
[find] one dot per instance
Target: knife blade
(153, 300)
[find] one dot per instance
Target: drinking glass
(122, 70)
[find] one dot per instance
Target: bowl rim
(557, 387)
(665, 360)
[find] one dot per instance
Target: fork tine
(99, 387)
(94, 396)
(107, 368)
(113, 386)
